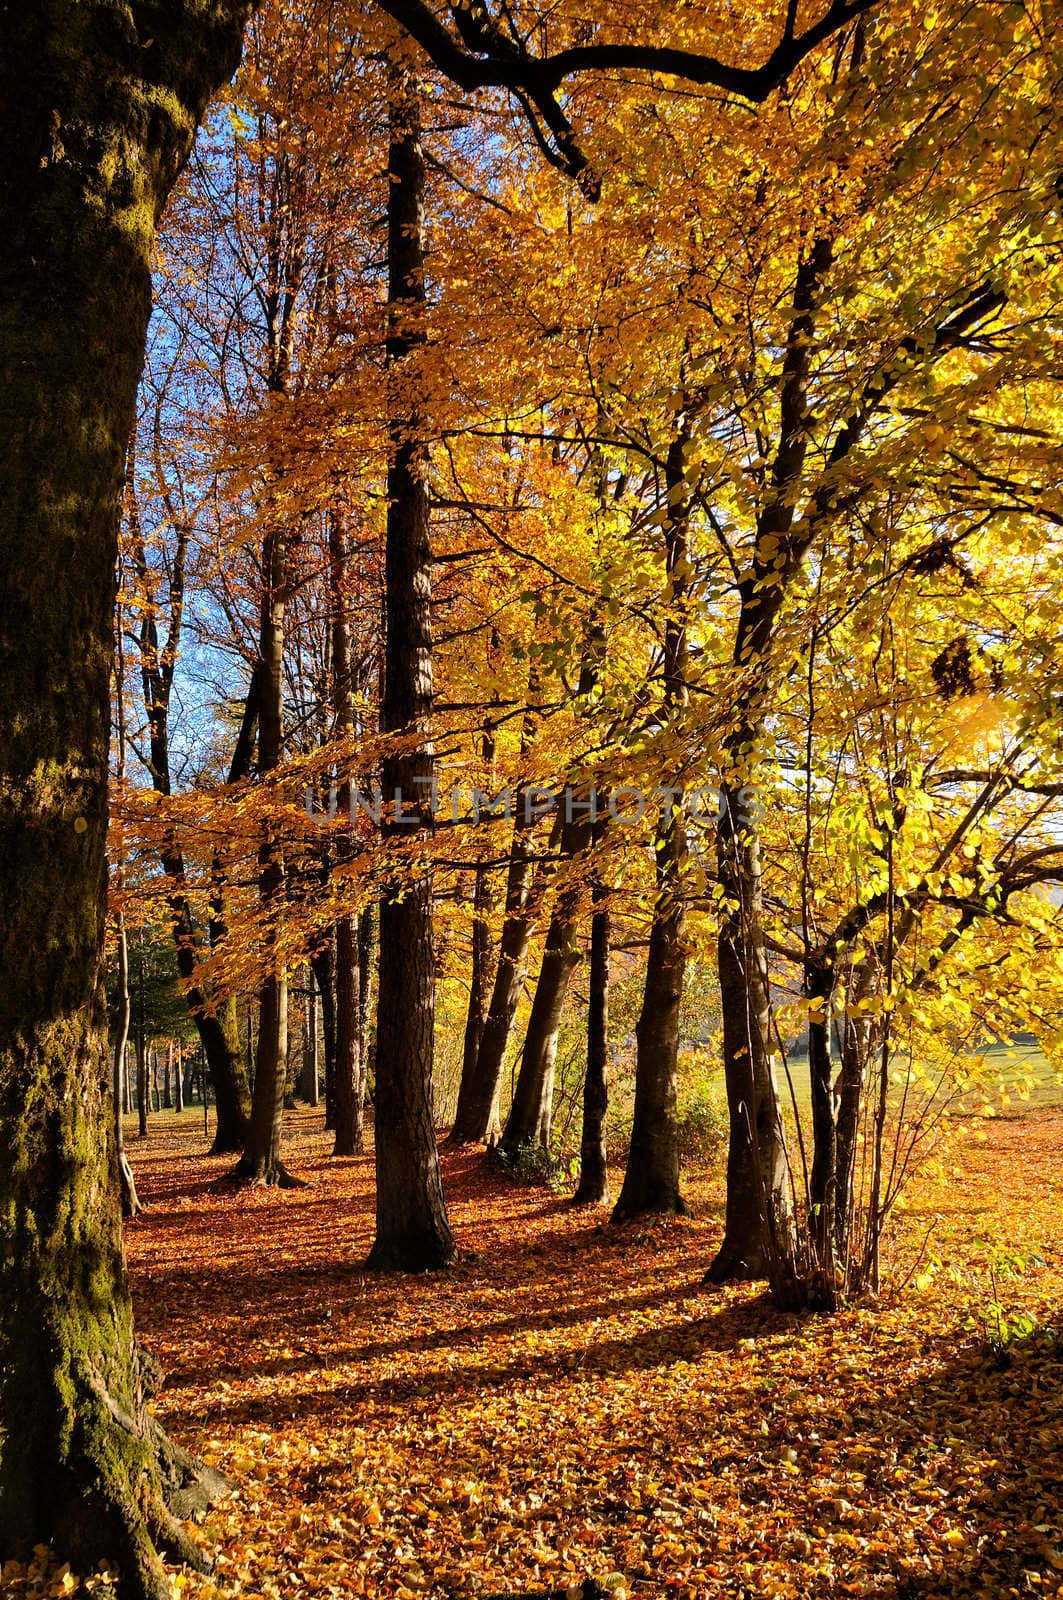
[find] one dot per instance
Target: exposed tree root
(251, 1173)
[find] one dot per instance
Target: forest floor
(571, 1401)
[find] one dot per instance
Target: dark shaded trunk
(476, 1111)
(98, 106)
(323, 961)
(593, 1187)
(822, 1187)
(348, 1066)
(311, 1080)
(179, 1080)
(858, 1043)
(412, 1232)
(350, 1136)
(531, 1114)
(167, 1077)
(651, 1177)
(757, 1212)
(262, 1162)
(481, 981)
(476, 1118)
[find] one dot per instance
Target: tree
(412, 1232)
(98, 105)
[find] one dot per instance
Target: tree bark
(651, 1177)
(323, 961)
(367, 952)
(98, 106)
(142, 1082)
(179, 1080)
(531, 1114)
(350, 1135)
(593, 1187)
(262, 1163)
(131, 1206)
(311, 1087)
(757, 1208)
(412, 1231)
(476, 1117)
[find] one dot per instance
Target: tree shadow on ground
(988, 1431)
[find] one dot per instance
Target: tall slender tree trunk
(131, 1206)
(142, 1082)
(858, 1044)
(262, 1162)
(651, 1178)
(98, 106)
(593, 1187)
(350, 1136)
(476, 1118)
(311, 1053)
(323, 962)
(179, 1080)
(758, 1204)
(348, 1090)
(481, 977)
(412, 1231)
(367, 952)
(531, 1114)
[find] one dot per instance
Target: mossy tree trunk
(412, 1231)
(99, 101)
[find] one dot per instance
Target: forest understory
(571, 1401)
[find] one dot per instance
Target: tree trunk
(350, 1136)
(131, 1206)
(593, 1188)
(757, 1212)
(142, 1083)
(367, 949)
(348, 1068)
(822, 1189)
(476, 1118)
(167, 1078)
(481, 979)
(179, 1080)
(323, 962)
(412, 1232)
(261, 1163)
(651, 1177)
(98, 106)
(311, 1057)
(858, 1042)
(531, 1114)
